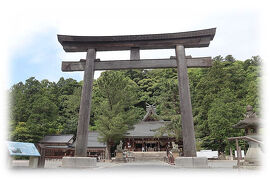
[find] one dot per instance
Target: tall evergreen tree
(117, 112)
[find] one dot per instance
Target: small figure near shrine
(119, 147)
(175, 150)
(119, 157)
(174, 145)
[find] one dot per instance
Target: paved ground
(216, 165)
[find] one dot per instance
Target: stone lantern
(251, 125)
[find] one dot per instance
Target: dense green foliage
(219, 97)
(116, 113)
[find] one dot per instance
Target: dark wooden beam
(190, 39)
(135, 54)
(188, 134)
(85, 105)
(200, 62)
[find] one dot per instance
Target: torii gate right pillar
(189, 145)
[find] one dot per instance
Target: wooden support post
(85, 106)
(41, 160)
(238, 152)
(231, 154)
(135, 53)
(188, 134)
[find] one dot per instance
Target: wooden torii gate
(135, 43)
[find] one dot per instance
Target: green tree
(117, 112)
(20, 132)
(35, 108)
(69, 114)
(218, 58)
(225, 111)
(39, 123)
(168, 104)
(229, 58)
(42, 122)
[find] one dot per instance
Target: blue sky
(40, 54)
(35, 51)
(39, 57)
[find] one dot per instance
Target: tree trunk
(108, 151)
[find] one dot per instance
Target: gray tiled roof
(57, 138)
(59, 147)
(145, 129)
(93, 141)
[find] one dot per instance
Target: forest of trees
(219, 97)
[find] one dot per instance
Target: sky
(29, 28)
(35, 51)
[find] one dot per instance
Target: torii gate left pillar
(177, 41)
(189, 144)
(85, 105)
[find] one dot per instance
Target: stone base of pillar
(79, 162)
(119, 157)
(254, 154)
(191, 162)
(33, 162)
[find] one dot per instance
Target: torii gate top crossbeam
(190, 39)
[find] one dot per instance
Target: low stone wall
(53, 163)
(146, 156)
(79, 162)
(191, 162)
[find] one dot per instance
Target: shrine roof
(57, 147)
(93, 141)
(146, 129)
(54, 139)
(189, 39)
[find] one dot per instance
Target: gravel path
(216, 165)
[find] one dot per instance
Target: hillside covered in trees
(219, 97)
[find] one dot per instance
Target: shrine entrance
(135, 43)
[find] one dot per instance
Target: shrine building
(145, 136)
(58, 146)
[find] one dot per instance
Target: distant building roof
(148, 126)
(150, 113)
(58, 139)
(93, 141)
(58, 147)
(146, 129)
